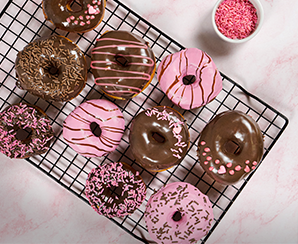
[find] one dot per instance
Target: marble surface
(34, 209)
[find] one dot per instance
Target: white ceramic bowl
(260, 14)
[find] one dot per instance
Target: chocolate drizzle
(53, 69)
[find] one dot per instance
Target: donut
(118, 176)
(159, 138)
(178, 213)
(94, 128)
(52, 68)
(189, 78)
(74, 18)
(230, 147)
(25, 131)
(122, 64)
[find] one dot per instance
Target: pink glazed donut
(94, 128)
(178, 213)
(189, 78)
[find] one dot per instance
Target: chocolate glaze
(84, 18)
(25, 130)
(148, 149)
(52, 68)
(230, 147)
(122, 64)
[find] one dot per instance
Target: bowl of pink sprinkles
(237, 21)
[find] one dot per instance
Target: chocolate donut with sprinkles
(52, 68)
(122, 63)
(94, 128)
(25, 131)
(230, 147)
(178, 213)
(126, 183)
(65, 15)
(159, 138)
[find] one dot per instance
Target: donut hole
(158, 137)
(232, 147)
(189, 79)
(120, 60)
(52, 70)
(116, 191)
(177, 216)
(95, 129)
(23, 134)
(74, 6)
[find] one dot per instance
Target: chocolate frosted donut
(52, 68)
(25, 131)
(122, 64)
(230, 147)
(159, 138)
(84, 18)
(100, 184)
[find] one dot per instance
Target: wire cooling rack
(22, 21)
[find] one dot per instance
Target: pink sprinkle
(82, 23)
(204, 154)
(203, 143)
(68, 20)
(254, 163)
(217, 161)
(76, 22)
(87, 16)
(207, 149)
(238, 168)
(209, 158)
(229, 165)
(247, 161)
(92, 17)
(236, 19)
(211, 168)
(247, 169)
(253, 167)
(206, 162)
(81, 17)
(232, 172)
(72, 17)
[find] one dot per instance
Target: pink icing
(194, 206)
(77, 132)
(114, 175)
(191, 61)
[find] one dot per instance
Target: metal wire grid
(22, 21)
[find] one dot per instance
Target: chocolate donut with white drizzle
(122, 63)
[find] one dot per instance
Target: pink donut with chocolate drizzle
(94, 128)
(128, 186)
(230, 147)
(189, 78)
(122, 64)
(178, 213)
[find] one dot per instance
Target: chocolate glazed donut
(83, 19)
(122, 64)
(230, 147)
(159, 138)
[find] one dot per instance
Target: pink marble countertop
(34, 209)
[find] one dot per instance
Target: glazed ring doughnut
(103, 179)
(159, 138)
(122, 64)
(94, 128)
(25, 131)
(83, 19)
(178, 213)
(52, 68)
(189, 78)
(230, 147)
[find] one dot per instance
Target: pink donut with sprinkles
(25, 131)
(94, 128)
(189, 78)
(104, 178)
(178, 213)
